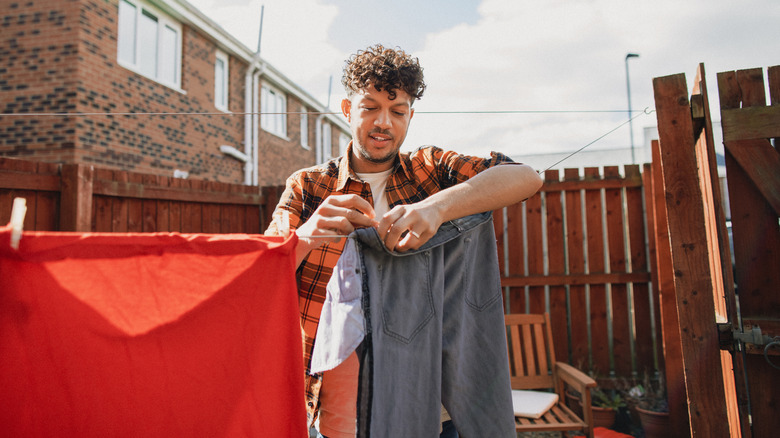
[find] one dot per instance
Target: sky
(516, 76)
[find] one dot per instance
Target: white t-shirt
(378, 182)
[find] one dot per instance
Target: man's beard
(377, 160)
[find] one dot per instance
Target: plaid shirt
(416, 176)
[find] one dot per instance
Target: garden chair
(533, 367)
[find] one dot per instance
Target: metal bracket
(730, 336)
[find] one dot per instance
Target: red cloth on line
(150, 335)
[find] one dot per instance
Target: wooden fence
(578, 249)
(81, 198)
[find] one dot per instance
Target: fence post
(76, 197)
(693, 275)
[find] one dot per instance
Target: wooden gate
(705, 305)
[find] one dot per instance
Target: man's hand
(407, 227)
(338, 215)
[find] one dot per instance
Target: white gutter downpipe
(318, 138)
(248, 99)
(256, 126)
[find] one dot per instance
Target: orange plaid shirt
(416, 176)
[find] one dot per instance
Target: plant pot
(603, 417)
(655, 424)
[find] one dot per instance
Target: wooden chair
(533, 367)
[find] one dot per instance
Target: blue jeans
(435, 335)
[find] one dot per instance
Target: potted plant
(652, 406)
(605, 405)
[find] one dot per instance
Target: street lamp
(628, 90)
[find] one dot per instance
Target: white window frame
(221, 99)
(305, 128)
(132, 38)
(273, 110)
(327, 141)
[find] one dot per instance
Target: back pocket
(406, 309)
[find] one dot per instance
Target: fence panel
(578, 250)
(79, 197)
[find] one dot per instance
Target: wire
(645, 111)
(220, 113)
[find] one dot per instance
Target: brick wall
(61, 56)
(38, 55)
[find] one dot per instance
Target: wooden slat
(26, 181)
(576, 279)
(533, 207)
(670, 326)
(576, 266)
(761, 162)
(556, 256)
(750, 123)
(76, 198)
(616, 238)
(135, 213)
(528, 351)
(690, 257)
(134, 189)
(639, 314)
(539, 336)
(515, 241)
(598, 304)
(518, 358)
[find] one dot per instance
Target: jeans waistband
(447, 231)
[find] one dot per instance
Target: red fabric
(603, 432)
(150, 335)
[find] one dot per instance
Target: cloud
(525, 55)
(570, 55)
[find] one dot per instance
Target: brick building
(195, 92)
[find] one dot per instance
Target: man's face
(378, 127)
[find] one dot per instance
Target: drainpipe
(248, 126)
(256, 125)
(318, 138)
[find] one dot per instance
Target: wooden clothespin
(18, 212)
(284, 227)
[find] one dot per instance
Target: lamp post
(628, 91)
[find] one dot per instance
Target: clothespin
(284, 227)
(18, 212)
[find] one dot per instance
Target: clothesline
(221, 113)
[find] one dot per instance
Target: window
(221, 81)
(149, 43)
(327, 149)
(304, 127)
(273, 111)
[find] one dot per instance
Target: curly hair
(384, 69)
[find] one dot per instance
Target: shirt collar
(346, 172)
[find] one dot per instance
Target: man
(407, 196)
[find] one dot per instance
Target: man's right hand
(338, 215)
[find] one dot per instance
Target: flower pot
(603, 417)
(655, 424)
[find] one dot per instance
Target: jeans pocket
(406, 310)
(481, 277)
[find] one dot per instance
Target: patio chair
(535, 375)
